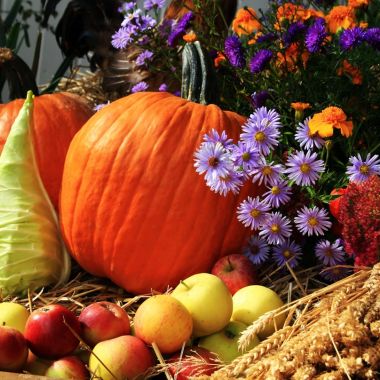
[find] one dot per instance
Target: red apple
(13, 349)
(102, 321)
(334, 204)
(69, 367)
(236, 271)
(48, 334)
(195, 361)
(124, 357)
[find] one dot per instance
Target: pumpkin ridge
(125, 105)
(132, 199)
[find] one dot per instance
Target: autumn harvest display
(203, 203)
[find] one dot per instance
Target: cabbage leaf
(32, 253)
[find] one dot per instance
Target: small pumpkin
(132, 207)
(57, 117)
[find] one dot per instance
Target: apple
(163, 320)
(14, 315)
(251, 302)
(102, 321)
(13, 349)
(236, 271)
(36, 365)
(124, 357)
(195, 361)
(224, 343)
(208, 300)
(69, 367)
(48, 334)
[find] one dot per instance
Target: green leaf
(10, 19)
(32, 254)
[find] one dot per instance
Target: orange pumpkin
(133, 209)
(57, 117)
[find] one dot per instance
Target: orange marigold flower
(324, 122)
(289, 59)
(294, 13)
(190, 37)
(299, 106)
(358, 3)
(219, 58)
(245, 21)
(352, 71)
(341, 16)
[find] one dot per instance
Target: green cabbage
(32, 254)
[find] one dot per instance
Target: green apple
(208, 300)
(224, 343)
(13, 315)
(251, 302)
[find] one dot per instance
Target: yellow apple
(13, 315)
(208, 300)
(163, 320)
(224, 343)
(251, 302)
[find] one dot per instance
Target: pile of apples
(195, 328)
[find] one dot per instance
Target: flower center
(254, 249)
(275, 190)
(275, 228)
(305, 168)
(313, 221)
(255, 213)
(245, 156)
(287, 254)
(329, 253)
(267, 170)
(260, 136)
(364, 169)
(213, 161)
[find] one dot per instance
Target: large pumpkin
(133, 209)
(57, 117)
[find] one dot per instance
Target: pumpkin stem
(198, 75)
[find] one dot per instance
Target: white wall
(51, 56)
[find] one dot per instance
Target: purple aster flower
(213, 136)
(126, 7)
(262, 137)
(232, 181)
(179, 29)
(266, 172)
(163, 87)
(304, 169)
(287, 252)
(276, 228)
(146, 22)
(144, 57)
(139, 87)
(312, 221)
(294, 30)
(259, 98)
(150, 4)
(330, 253)
(305, 138)
(372, 37)
(335, 273)
(122, 38)
(265, 117)
(213, 159)
(260, 60)
(244, 156)
(98, 107)
(234, 51)
(351, 38)
(268, 37)
(278, 194)
(315, 35)
(360, 169)
(257, 250)
(131, 18)
(252, 212)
